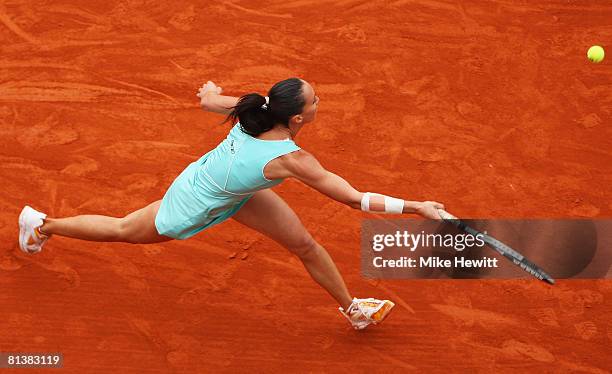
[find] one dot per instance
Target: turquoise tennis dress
(213, 188)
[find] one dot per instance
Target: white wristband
(392, 205)
(365, 202)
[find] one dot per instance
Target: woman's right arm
(304, 167)
(211, 99)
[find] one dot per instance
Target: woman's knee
(303, 247)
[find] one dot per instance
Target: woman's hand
(211, 99)
(208, 87)
(429, 209)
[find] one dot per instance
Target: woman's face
(309, 112)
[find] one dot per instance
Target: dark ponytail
(256, 116)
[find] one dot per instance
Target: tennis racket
(503, 249)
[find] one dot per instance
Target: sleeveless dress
(213, 188)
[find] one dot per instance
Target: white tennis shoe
(363, 312)
(31, 240)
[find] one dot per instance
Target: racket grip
(445, 215)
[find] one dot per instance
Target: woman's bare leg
(136, 227)
(268, 213)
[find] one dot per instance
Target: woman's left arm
(211, 99)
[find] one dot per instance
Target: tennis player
(234, 180)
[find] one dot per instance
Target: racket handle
(449, 218)
(445, 215)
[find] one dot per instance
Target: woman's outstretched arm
(305, 167)
(211, 99)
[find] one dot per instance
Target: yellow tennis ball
(596, 54)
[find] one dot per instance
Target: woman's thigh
(269, 214)
(139, 226)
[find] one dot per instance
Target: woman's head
(292, 103)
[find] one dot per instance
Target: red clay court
(489, 107)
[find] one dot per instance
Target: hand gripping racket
(503, 249)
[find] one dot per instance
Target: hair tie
(265, 106)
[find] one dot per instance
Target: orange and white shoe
(363, 312)
(31, 240)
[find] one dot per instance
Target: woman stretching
(234, 180)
